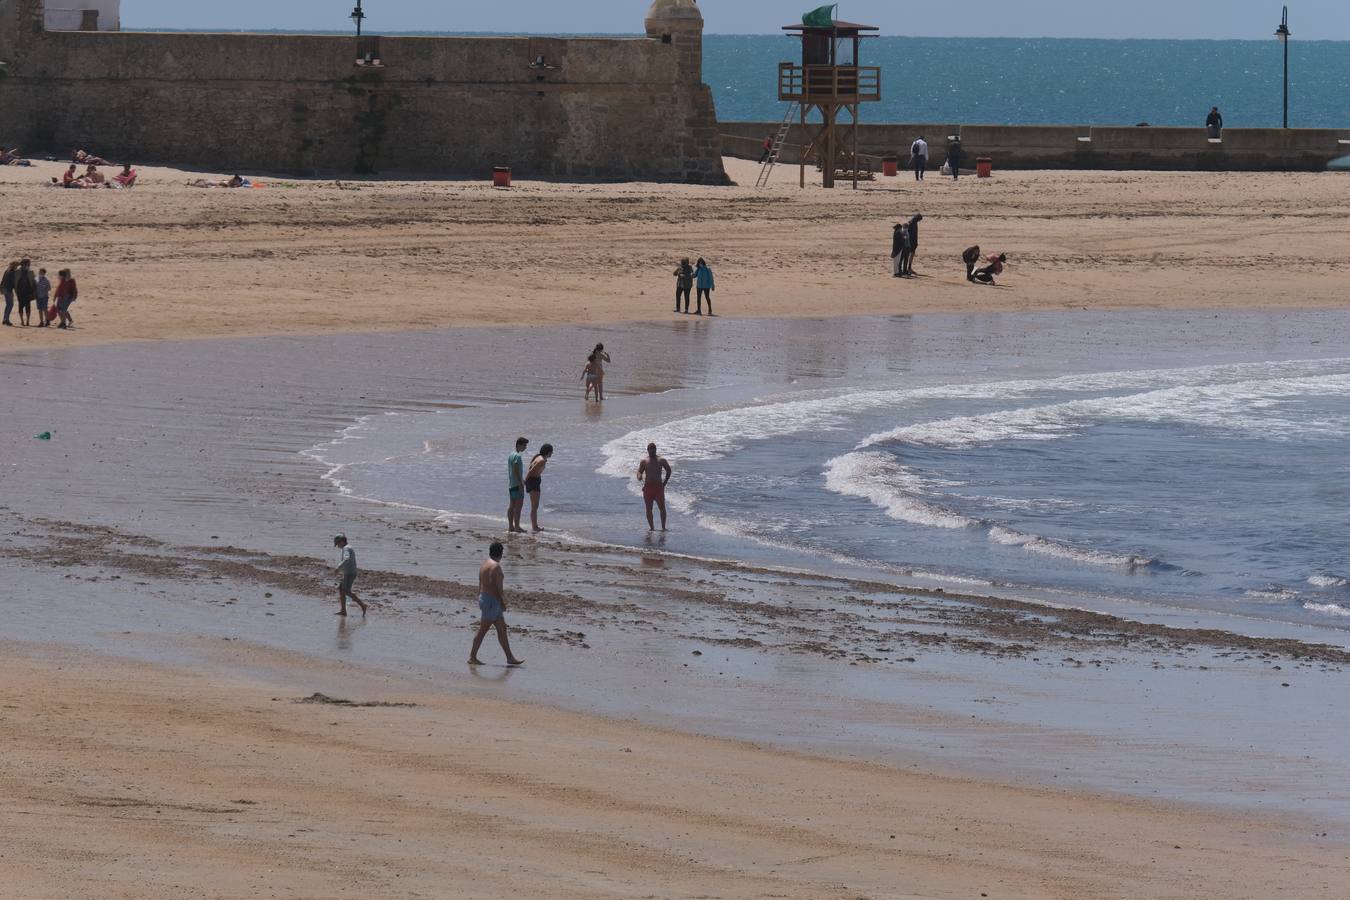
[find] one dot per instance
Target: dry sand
(125, 780)
(168, 261)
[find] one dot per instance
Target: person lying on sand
(12, 158)
(492, 606)
(84, 159)
(236, 181)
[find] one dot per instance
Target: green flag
(822, 17)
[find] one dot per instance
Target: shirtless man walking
(654, 472)
(492, 606)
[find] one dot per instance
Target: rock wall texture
(597, 108)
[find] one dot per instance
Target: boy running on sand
(346, 572)
(492, 606)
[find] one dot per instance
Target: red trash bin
(984, 167)
(501, 176)
(890, 166)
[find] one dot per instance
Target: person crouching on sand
(492, 606)
(534, 482)
(993, 266)
(971, 257)
(654, 472)
(346, 572)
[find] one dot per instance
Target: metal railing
(846, 84)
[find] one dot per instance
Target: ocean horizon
(1041, 81)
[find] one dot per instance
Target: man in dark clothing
(1214, 124)
(970, 258)
(684, 283)
(907, 260)
(25, 289)
(954, 158)
(7, 288)
(899, 244)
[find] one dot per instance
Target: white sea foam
(1328, 581)
(897, 490)
(1330, 609)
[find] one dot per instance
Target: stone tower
(680, 23)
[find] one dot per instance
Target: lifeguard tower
(830, 81)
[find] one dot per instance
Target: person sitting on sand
(69, 179)
(654, 472)
(534, 482)
(601, 358)
(492, 606)
(971, 257)
(93, 176)
(127, 178)
(993, 266)
(346, 572)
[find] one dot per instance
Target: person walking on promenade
(703, 279)
(515, 485)
(66, 293)
(534, 482)
(25, 289)
(1214, 124)
(43, 293)
(7, 288)
(684, 283)
(492, 606)
(918, 153)
(654, 472)
(346, 572)
(954, 159)
(911, 246)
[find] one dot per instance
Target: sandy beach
(301, 257)
(687, 724)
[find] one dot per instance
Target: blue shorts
(517, 493)
(490, 607)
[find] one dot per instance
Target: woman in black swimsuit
(534, 482)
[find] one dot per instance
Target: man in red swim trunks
(654, 473)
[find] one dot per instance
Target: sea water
(1023, 456)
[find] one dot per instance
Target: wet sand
(130, 780)
(167, 557)
(299, 257)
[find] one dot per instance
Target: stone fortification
(603, 108)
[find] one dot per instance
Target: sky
(1248, 19)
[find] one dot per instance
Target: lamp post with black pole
(358, 16)
(1283, 34)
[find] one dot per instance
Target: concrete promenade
(1078, 147)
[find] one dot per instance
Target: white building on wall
(84, 15)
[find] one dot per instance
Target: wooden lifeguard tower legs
(829, 142)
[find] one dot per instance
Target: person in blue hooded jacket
(703, 280)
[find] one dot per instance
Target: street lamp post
(1283, 34)
(358, 16)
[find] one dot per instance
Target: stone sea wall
(605, 108)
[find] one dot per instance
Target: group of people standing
(21, 287)
(689, 278)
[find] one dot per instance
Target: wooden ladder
(767, 169)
